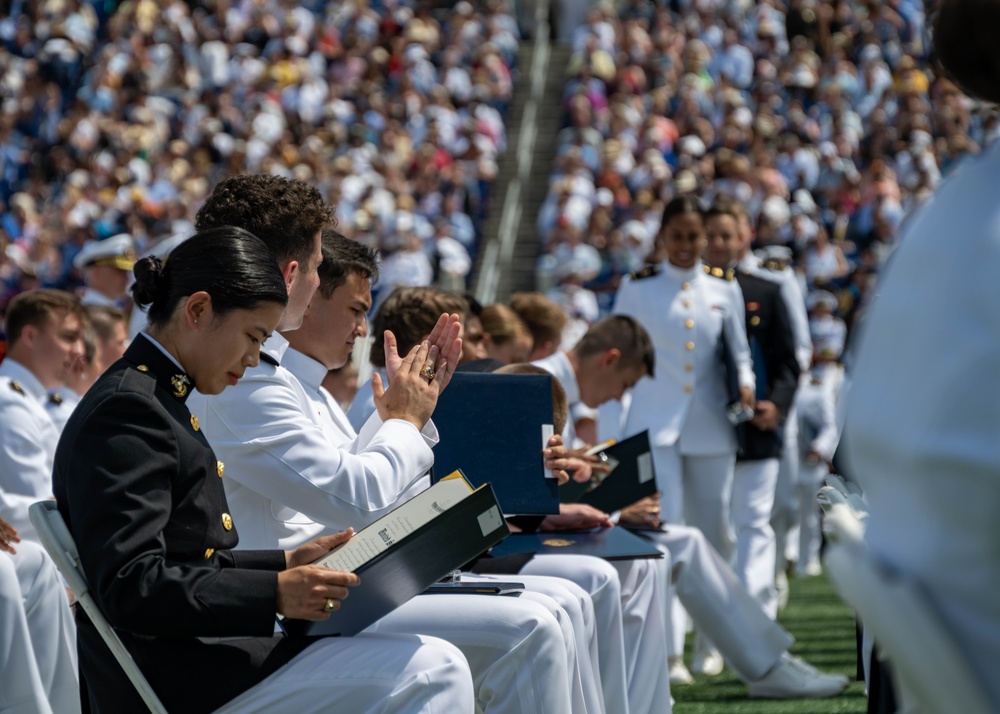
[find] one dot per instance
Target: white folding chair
(928, 667)
(58, 541)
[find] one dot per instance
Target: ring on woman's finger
(428, 373)
(330, 604)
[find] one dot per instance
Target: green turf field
(824, 632)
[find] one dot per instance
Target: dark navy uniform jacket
(775, 364)
(141, 492)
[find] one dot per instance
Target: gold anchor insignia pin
(195, 425)
(180, 383)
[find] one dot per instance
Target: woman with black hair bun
(140, 489)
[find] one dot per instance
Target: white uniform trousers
(597, 578)
(366, 674)
(38, 666)
(576, 614)
(752, 503)
(515, 647)
(626, 617)
(696, 490)
(811, 478)
(785, 514)
(749, 641)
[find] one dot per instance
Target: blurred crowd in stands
(826, 120)
(121, 119)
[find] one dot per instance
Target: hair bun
(151, 281)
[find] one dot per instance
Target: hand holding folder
(407, 550)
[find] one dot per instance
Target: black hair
(232, 265)
(341, 257)
(679, 206)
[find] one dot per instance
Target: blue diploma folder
(491, 428)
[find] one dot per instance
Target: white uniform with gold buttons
(686, 311)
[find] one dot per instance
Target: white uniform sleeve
(25, 465)
(792, 295)
(828, 435)
(273, 448)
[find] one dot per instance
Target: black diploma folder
(491, 427)
(631, 479)
(408, 550)
(608, 543)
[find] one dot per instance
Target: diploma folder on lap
(406, 551)
(631, 479)
(608, 543)
(495, 426)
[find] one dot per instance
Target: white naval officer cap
(116, 251)
(822, 298)
(780, 253)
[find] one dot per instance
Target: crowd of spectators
(120, 120)
(827, 120)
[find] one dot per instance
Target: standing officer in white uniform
(922, 413)
(43, 341)
(687, 307)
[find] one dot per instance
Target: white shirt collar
(561, 368)
(161, 348)
(681, 273)
(26, 378)
(307, 370)
(276, 346)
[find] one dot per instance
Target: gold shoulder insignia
(718, 272)
(775, 265)
(647, 272)
(16, 386)
(55, 398)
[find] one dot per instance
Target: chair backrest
(929, 668)
(58, 542)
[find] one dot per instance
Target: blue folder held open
(492, 427)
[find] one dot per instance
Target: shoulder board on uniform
(719, 272)
(775, 265)
(16, 386)
(647, 272)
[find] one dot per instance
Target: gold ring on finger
(428, 373)
(330, 604)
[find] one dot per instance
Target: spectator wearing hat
(105, 265)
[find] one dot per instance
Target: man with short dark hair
(43, 341)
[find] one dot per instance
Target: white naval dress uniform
(60, 405)
(92, 297)
(818, 432)
(38, 667)
(922, 415)
(285, 469)
(684, 407)
(644, 586)
(28, 441)
(786, 493)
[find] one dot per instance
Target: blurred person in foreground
(922, 417)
